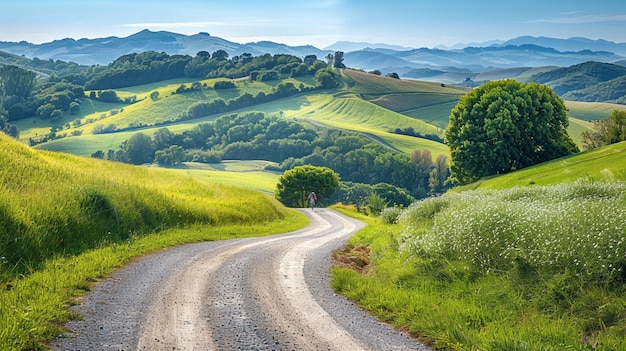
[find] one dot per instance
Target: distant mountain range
(446, 65)
(589, 81)
(103, 51)
(570, 44)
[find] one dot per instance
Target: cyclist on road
(312, 199)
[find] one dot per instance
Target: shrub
(390, 215)
(575, 227)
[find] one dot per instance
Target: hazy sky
(411, 23)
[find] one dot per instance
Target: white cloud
(582, 19)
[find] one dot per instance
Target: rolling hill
(580, 76)
(607, 163)
(372, 105)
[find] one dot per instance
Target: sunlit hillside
(606, 163)
(52, 202)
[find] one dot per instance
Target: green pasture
(523, 268)
(348, 113)
(576, 128)
(167, 107)
(244, 174)
(591, 111)
(372, 85)
(368, 104)
(66, 221)
(89, 109)
(603, 164)
(437, 115)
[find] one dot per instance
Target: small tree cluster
(606, 131)
(296, 184)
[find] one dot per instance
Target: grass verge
(66, 221)
(34, 308)
(528, 268)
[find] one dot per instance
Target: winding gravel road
(268, 293)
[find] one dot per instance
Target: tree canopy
(503, 126)
(297, 183)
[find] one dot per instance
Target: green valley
(528, 260)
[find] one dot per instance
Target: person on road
(312, 199)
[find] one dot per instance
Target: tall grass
(66, 221)
(52, 203)
(526, 268)
(578, 227)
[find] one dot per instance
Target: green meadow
(372, 105)
(66, 221)
(341, 108)
(603, 164)
(591, 111)
(245, 174)
(532, 260)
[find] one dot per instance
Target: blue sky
(410, 23)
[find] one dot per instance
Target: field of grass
(526, 268)
(374, 85)
(90, 109)
(428, 103)
(244, 174)
(603, 164)
(591, 111)
(66, 221)
(86, 145)
(351, 113)
(425, 101)
(333, 108)
(370, 104)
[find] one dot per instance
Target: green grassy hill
(368, 103)
(591, 111)
(390, 104)
(589, 81)
(56, 202)
(606, 163)
(66, 221)
(530, 260)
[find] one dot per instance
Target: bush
(390, 215)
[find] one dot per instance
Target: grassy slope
(445, 303)
(244, 174)
(369, 104)
(66, 221)
(428, 102)
(591, 111)
(606, 163)
(336, 109)
(351, 113)
(142, 199)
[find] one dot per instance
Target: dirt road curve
(270, 293)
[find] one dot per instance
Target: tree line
(24, 93)
(149, 67)
(256, 136)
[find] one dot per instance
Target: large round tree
(506, 125)
(295, 185)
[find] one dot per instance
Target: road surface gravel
(266, 293)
